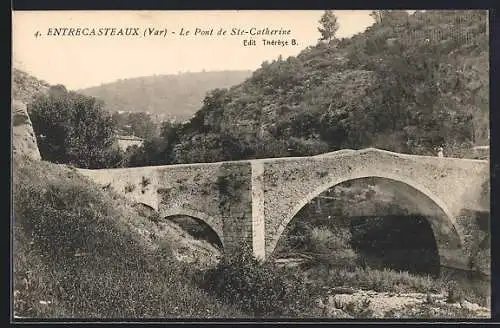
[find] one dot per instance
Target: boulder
(371, 304)
(23, 137)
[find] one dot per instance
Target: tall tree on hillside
(378, 15)
(142, 125)
(329, 26)
(388, 16)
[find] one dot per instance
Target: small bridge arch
(449, 220)
(205, 218)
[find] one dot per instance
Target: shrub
(76, 129)
(383, 280)
(332, 248)
(260, 289)
(129, 187)
(320, 238)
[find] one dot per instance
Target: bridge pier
(258, 224)
(454, 258)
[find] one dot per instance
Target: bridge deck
(339, 153)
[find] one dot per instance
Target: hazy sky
(83, 61)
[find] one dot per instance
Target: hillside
(176, 96)
(87, 274)
(110, 260)
(408, 84)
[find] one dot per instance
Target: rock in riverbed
(370, 304)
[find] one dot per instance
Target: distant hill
(178, 96)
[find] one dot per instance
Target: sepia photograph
(238, 165)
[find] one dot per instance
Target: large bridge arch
(203, 217)
(450, 229)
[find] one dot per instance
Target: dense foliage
(73, 129)
(409, 83)
(138, 124)
(260, 288)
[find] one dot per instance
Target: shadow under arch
(200, 217)
(448, 218)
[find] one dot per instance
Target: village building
(124, 142)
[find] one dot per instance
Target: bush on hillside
(384, 281)
(73, 129)
(260, 288)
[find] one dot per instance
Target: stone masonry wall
(218, 193)
(138, 184)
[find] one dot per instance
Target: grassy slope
(81, 249)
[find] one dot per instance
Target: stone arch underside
(215, 225)
(448, 239)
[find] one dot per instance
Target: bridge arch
(449, 219)
(205, 218)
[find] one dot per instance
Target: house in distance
(124, 142)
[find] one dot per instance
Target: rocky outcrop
(23, 137)
(25, 88)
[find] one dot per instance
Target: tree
(139, 124)
(387, 16)
(72, 129)
(209, 117)
(329, 26)
(379, 15)
(142, 125)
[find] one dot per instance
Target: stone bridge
(253, 201)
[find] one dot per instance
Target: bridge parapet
(139, 184)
